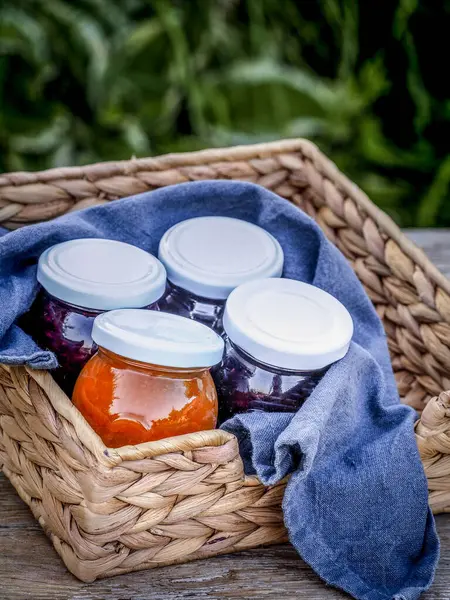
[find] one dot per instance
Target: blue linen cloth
(356, 503)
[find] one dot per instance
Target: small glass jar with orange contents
(150, 378)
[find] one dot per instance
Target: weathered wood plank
(436, 243)
(31, 570)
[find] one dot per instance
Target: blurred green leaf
(19, 29)
(435, 197)
(406, 9)
(91, 80)
(381, 151)
(269, 73)
(89, 39)
(43, 141)
(141, 36)
(135, 136)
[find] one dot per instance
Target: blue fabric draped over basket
(356, 503)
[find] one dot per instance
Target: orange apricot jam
(129, 402)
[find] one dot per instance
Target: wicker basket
(113, 511)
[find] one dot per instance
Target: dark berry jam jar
(281, 337)
(245, 384)
(206, 258)
(82, 279)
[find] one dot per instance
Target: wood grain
(436, 243)
(31, 570)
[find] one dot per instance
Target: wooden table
(31, 570)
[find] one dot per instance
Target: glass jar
(208, 311)
(208, 257)
(282, 335)
(150, 378)
(81, 279)
(244, 384)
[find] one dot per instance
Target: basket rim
(243, 152)
(110, 457)
(284, 155)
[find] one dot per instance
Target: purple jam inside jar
(282, 335)
(80, 280)
(186, 304)
(66, 330)
(243, 385)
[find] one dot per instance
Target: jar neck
(176, 290)
(139, 365)
(85, 310)
(271, 368)
(68, 305)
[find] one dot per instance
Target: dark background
(89, 80)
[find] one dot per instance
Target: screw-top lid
(288, 324)
(210, 256)
(101, 274)
(158, 338)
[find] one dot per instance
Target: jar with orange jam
(150, 378)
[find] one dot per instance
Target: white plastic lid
(158, 338)
(210, 256)
(101, 274)
(288, 324)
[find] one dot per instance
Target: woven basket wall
(113, 511)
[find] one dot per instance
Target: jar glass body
(179, 301)
(65, 329)
(131, 402)
(243, 384)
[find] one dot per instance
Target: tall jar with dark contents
(206, 258)
(281, 337)
(81, 279)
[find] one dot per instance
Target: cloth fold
(356, 503)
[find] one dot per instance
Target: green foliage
(91, 80)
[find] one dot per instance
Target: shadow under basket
(111, 511)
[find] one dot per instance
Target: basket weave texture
(113, 511)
